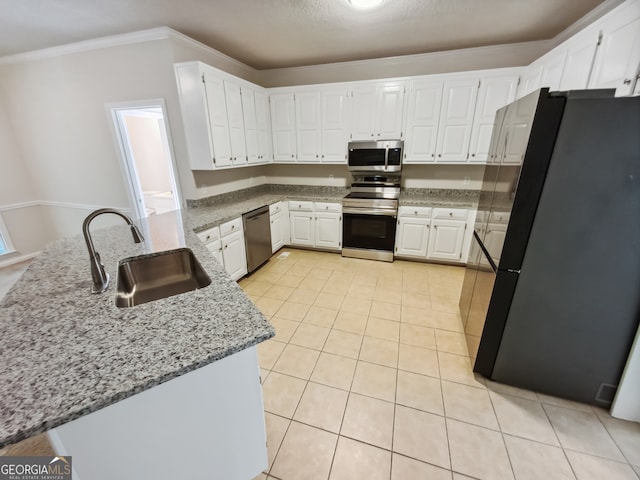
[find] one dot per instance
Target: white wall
(63, 132)
(27, 223)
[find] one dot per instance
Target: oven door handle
(370, 211)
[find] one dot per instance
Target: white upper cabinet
(335, 124)
(617, 60)
(250, 125)
(263, 126)
(218, 120)
(283, 126)
(544, 72)
(219, 123)
(390, 109)
(456, 119)
(580, 51)
(494, 93)
(236, 122)
(308, 126)
(363, 112)
(423, 115)
(377, 111)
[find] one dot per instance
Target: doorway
(143, 137)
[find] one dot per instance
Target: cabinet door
(445, 241)
(363, 112)
(236, 123)
(218, 121)
(262, 123)
(328, 230)
(302, 231)
(335, 126)
(190, 79)
(389, 112)
(234, 253)
(494, 94)
(531, 80)
(456, 120)
(494, 240)
(423, 114)
(250, 124)
(308, 126)
(277, 238)
(618, 57)
(283, 126)
(581, 51)
(215, 248)
(412, 236)
(552, 68)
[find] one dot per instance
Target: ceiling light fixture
(364, 4)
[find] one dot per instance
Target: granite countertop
(66, 353)
(212, 211)
(439, 198)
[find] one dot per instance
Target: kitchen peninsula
(166, 389)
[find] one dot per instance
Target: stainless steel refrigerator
(551, 294)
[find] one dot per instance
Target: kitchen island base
(208, 423)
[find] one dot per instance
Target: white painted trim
(184, 39)
(17, 206)
(159, 33)
(51, 203)
(119, 137)
(591, 17)
(18, 259)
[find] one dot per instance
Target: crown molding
(591, 17)
(187, 41)
(159, 33)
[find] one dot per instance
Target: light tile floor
(368, 378)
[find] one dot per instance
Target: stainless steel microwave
(380, 156)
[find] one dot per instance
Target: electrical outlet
(467, 180)
(331, 178)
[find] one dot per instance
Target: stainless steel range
(369, 216)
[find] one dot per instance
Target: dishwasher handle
(256, 213)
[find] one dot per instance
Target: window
(5, 240)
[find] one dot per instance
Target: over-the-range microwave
(375, 156)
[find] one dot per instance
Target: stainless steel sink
(159, 275)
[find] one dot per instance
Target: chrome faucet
(99, 276)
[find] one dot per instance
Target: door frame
(127, 164)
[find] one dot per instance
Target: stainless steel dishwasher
(257, 237)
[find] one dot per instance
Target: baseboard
(18, 259)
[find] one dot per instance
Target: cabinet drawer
(450, 213)
(300, 206)
(327, 207)
(231, 226)
(407, 211)
(209, 235)
(275, 208)
(499, 217)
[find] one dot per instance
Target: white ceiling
(283, 33)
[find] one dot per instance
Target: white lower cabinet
(301, 223)
(316, 224)
(279, 218)
(211, 240)
(412, 233)
(494, 240)
(445, 241)
(328, 230)
(233, 249)
(432, 234)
